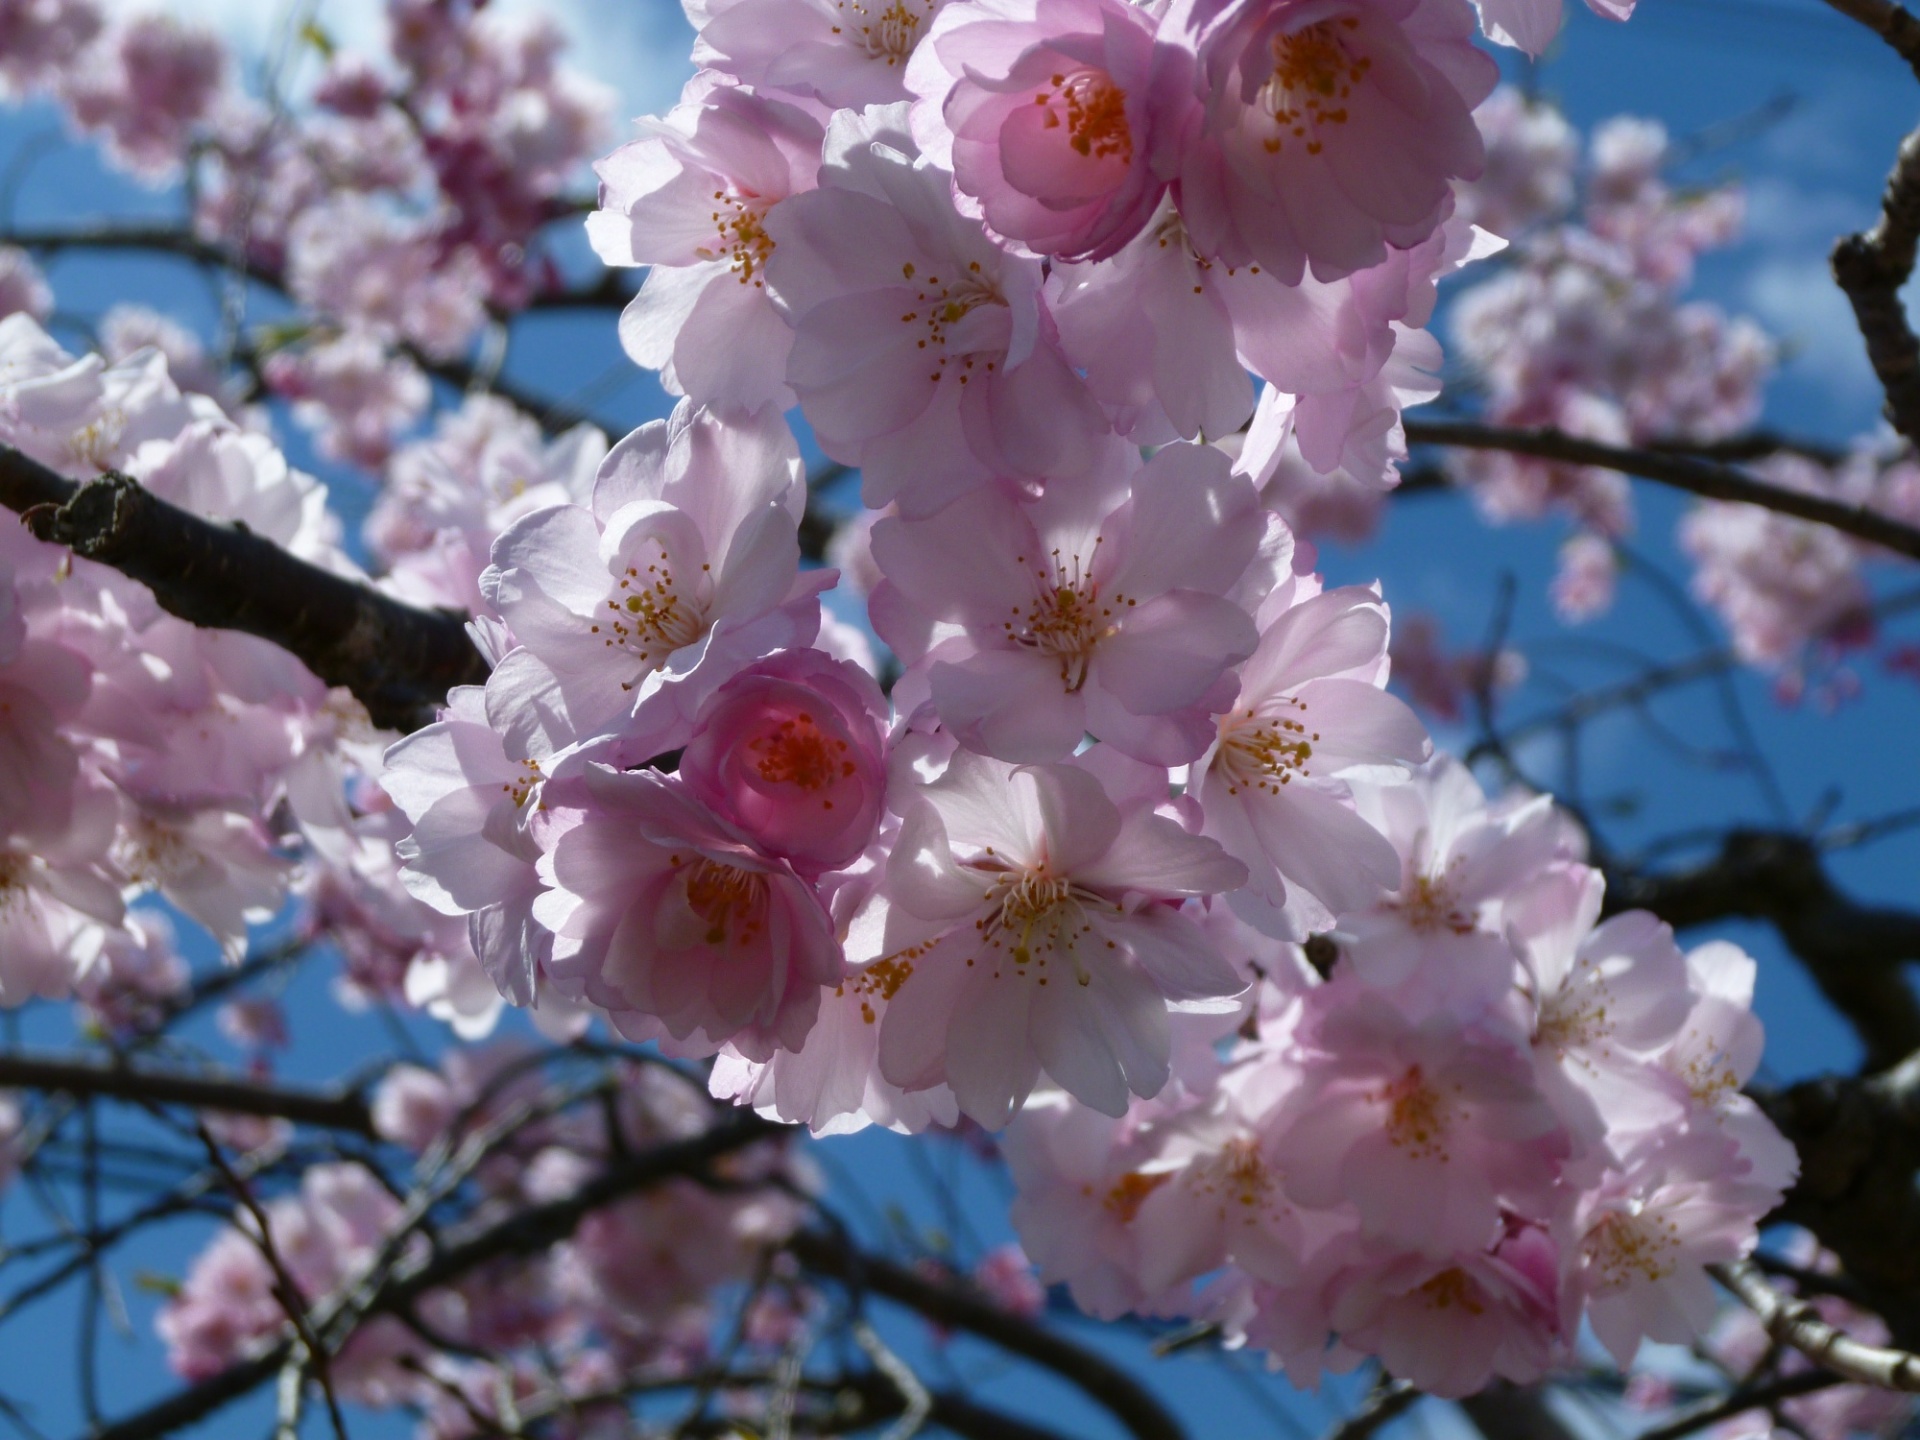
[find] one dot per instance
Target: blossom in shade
(1451, 1324)
(1426, 1126)
(666, 915)
(1328, 132)
(1036, 928)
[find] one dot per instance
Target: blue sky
(1696, 65)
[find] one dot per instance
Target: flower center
(888, 36)
(798, 753)
(1264, 748)
(1625, 1247)
(1452, 1289)
(1418, 1116)
(1033, 917)
(1313, 75)
(1067, 618)
(742, 238)
(1130, 1192)
(1576, 1014)
(940, 306)
(1430, 906)
(732, 903)
(523, 784)
(649, 617)
(1096, 116)
(1706, 1068)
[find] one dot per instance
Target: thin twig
(1793, 1321)
(1747, 1397)
(331, 1110)
(1704, 478)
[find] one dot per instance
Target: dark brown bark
(398, 661)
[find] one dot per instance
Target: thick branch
(397, 660)
(1793, 1321)
(1130, 1402)
(331, 1110)
(1858, 1138)
(1871, 268)
(1892, 23)
(1854, 952)
(1704, 478)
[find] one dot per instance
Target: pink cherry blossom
(790, 751)
(1426, 1127)
(1045, 112)
(477, 827)
(685, 568)
(922, 352)
(847, 53)
(664, 912)
(1037, 928)
(1451, 1324)
(1606, 999)
(145, 85)
(1647, 1234)
(1102, 606)
(1329, 132)
(1311, 714)
(690, 199)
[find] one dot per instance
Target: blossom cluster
(1139, 758)
(635, 1286)
(147, 758)
(1443, 1134)
(1137, 860)
(403, 205)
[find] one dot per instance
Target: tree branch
(1853, 952)
(1508, 1412)
(1739, 1402)
(1704, 478)
(328, 1109)
(1793, 1321)
(1892, 23)
(1871, 268)
(1125, 1398)
(1858, 1138)
(525, 1232)
(397, 660)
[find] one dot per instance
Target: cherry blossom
(1046, 113)
(663, 911)
(691, 199)
(1028, 921)
(1326, 136)
(968, 382)
(1100, 607)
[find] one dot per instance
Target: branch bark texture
(1871, 268)
(398, 661)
